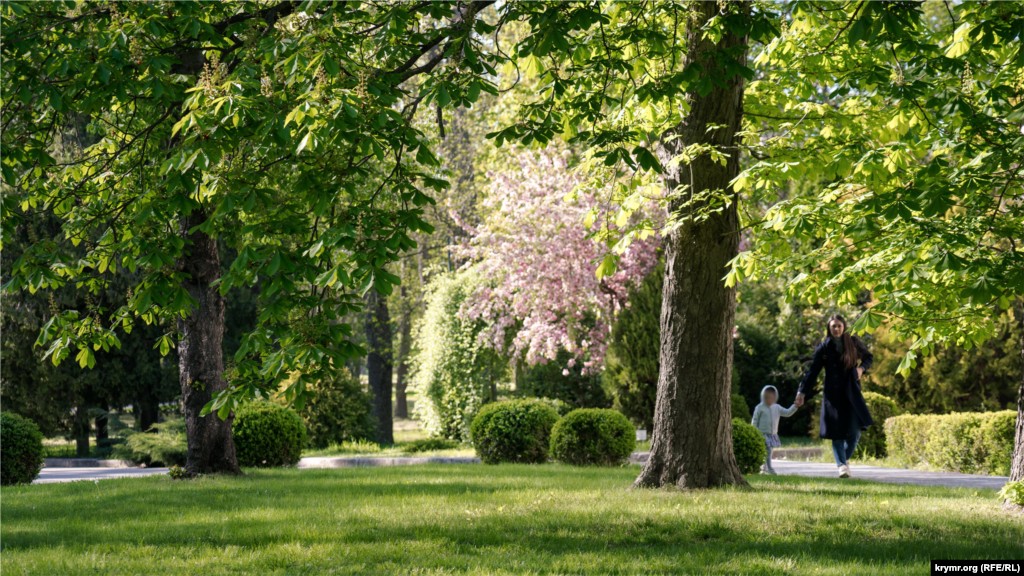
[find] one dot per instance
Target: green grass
(509, 519)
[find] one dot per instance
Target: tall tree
(281, 129)
(692, 444)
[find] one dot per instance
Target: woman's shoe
(844, 471)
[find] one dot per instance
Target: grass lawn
(510, 519)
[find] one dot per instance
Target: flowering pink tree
(537, 250)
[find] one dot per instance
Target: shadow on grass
(551, 512)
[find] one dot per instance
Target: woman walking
(844, 414)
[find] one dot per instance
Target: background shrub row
(972, 443)
(528, 431)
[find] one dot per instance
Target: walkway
(891, 475)
(51, 475)
(783, 467)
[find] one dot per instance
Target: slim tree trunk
(692, 436)
(378, 363)
(81, 430)
(102, 430)
(401, 383)
(200, 358)
(149, 413)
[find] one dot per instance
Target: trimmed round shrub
(513, 431)
(268, 434)
(593, 436)
(872, 440)
(341, 411)
(748, 446)
(739, 408)
(21, 449)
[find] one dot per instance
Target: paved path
(891, 475)
(51, 475)
(783, 467)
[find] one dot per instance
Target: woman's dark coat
(842, 395)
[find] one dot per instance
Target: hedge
(972, 443)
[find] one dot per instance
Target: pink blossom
(534, 244)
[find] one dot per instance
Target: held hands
(799, 400)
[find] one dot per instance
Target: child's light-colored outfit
(766, 420)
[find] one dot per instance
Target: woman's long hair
(850, 355)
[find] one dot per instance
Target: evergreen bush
(21, 449)
(268, 434)
(593, 436)
(748, 446)
(513, 431)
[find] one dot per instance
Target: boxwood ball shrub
(593, 436)
(748, 446)
(513, 431)
(21, 449)
(268, 434)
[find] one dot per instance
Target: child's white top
(766, 418)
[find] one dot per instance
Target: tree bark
(81, 430)
(405, 331)
(378, 363)
(200, 357)
(1017, 464)
(148, 413)
(692, 435)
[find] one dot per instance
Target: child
(766, 420)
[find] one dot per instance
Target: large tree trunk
(200, 358)
(692, 443)
(1017, 465)
(378, 363)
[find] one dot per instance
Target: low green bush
(739, 408)
(748, 446)
(21, 449)
(341, 411)
(872, 440)
(967, 442)
(513, 431)
(430, 444)
(1013, 492)
(593, 436)
(166, 445)
(268, 434)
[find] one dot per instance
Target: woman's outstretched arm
(810, 381)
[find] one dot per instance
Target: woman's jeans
(843, 449)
